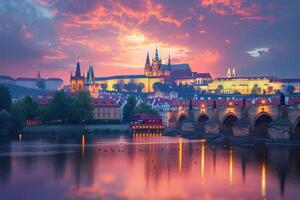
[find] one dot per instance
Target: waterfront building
(106, 109)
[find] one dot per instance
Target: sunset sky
(257, 37)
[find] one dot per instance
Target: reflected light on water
(20, 137)
(202, 160)
(263, 180)
(180, 154)
(230, 167)
(82, 145)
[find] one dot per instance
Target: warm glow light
(20, 137)
(202, 106)
(180, 155)
(263, 180)
(202, 160)
(230, 103)
(82, 145)
(263, 101)
(230, 167)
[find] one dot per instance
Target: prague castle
(154, 72)
(179, 74)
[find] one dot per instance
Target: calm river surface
(144, 167)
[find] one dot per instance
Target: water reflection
(144, 167)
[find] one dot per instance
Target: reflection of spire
(169, 60)
(39, 75)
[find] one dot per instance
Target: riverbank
(76, 129)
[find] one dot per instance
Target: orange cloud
(210, 56)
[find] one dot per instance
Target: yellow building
(77, 81)
(244, 85)
(146, 81)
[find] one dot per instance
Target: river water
(144, 167)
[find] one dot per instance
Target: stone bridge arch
(202, 119)
(260, 123)
(228, 122)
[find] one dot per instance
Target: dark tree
(83, 107)
(5, 98)
(290, 89)
(4, 120)
(31, 108)
(146, 109)
(117, 87)
(59, 108)
(139, 87)
(103, 86)
(17, 117)
(130, 87)
(158, 86)
(128, 108)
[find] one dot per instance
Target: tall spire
(78, 73)
(169, 60)
(90, 75)
(148, 59)
(156, 57)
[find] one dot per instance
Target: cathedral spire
(156, 57)
(148, 59)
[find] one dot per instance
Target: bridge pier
(281, 128)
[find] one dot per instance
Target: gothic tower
(77, 81)
(148, 70)
(156, 63)
(90, 84)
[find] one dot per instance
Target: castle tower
(229, 73)
(90, 84)
(156, 63)
(169, 60)
(148, 70)
(77, 81)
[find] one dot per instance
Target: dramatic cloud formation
(115, 35)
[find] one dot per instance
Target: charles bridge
(277, 117)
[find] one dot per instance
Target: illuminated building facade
(90, 84)
(244, 85)
(77, 81)
(154, 71)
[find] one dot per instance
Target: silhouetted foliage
(128, 108)
(5, 98)
(146, 109)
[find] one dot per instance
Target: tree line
(60, 109)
